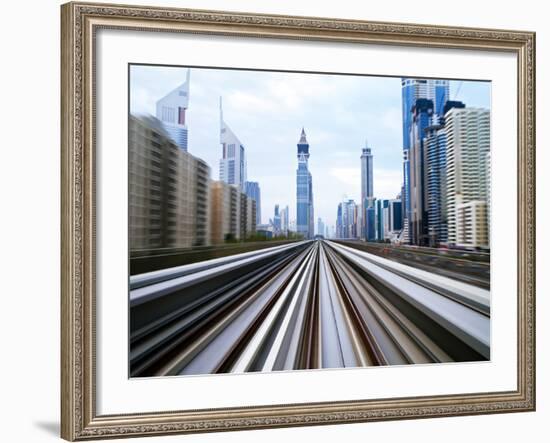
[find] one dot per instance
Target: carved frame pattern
(80, 21)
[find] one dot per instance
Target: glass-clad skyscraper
(366, 186)
(413, 89)
(304, 191)
(422, 113)
(252, 189)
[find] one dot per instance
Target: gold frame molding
(79, 22)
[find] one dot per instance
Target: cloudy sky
(267, 110)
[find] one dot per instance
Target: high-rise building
(252, 189)
(381, 215)
(468, 142)
(347, 220)
(284, 220)
(366, 186)
(304, 190)
(233, 213)
(320, 227)
(277, 220)
(422, 113)
(168, 190)
(488, 185)
(413, 89)
(371, 223)
(472, 230)
(395, 217)
(233, 161)
(171, 109)
(436, 177)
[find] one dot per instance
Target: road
(305, 305)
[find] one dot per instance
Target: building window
(231, 151)
(168, 114)
(231, 171)
(181, 116)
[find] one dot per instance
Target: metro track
(305, 305)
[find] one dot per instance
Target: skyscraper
(168, 190)
(366, 186)
(346, 221)
(252, 189)
(320, 227)
(171, 111)
(381, 218)
(284, 220)
(370, 214)
(276, 220)
(436, 177)
(413, 89)
(468, 142)
(233, 161)
(422, 113)
(304, 190)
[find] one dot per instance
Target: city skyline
(266, 110)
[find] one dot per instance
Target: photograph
(285, 220)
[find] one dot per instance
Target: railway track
(305, 305)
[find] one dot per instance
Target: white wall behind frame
(30, 219)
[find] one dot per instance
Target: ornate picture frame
(80, 24)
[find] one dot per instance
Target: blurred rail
(147, 260)
(304, 305)
(467, 266)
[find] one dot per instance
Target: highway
(303, 305)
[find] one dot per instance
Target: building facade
(233, 213)
(472, 228)
(347, 219)
(422, 114)
(285, 226)
(169, 190)
(252, 189)
(233, 161)
(413, 89)
(370, 215)
(304, 191)
(468, 143)
(171, 111)
(320, 227)
(366, 186)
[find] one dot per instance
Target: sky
(267, 110)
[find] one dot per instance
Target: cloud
(348, 176)
(267, 110)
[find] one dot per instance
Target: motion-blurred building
(168, 190)
(233, 213)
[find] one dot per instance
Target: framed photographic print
(282, 221)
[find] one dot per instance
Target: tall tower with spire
(366, 186)
(304, 191)
(233, 161)
(171, 110)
